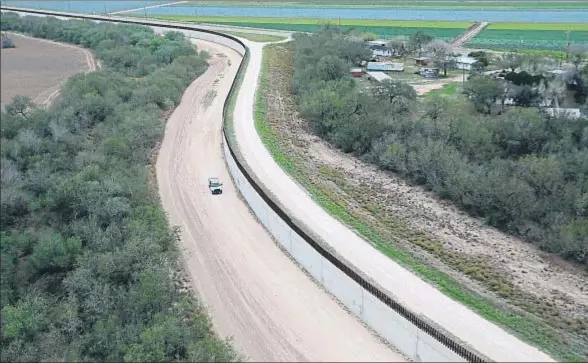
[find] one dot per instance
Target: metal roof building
(385, 66)
(379, 76)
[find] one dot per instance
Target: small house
(421, 61)
(381, 51)
(465, 63)
(356, 72)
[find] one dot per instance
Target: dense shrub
(87, 255)
(521, 171)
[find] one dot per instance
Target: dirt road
(469, 34)
(252, 290)
(409, 289)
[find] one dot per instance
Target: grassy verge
(260, 38)
(387, 234)
(229, 110)
(401, 4)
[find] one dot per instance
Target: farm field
(382, 13)
(83, 6)
(382, 28)
(25, 73)
(403, 4)
(543, 36)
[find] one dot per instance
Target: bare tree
(398, 47)
(577, 53)
(418, 41)
(441, 52)
(512, 61)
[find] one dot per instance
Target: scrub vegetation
(90, 269)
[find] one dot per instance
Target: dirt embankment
(37, 68)
(497, 265)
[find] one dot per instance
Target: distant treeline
(87, 255)
(521, 171)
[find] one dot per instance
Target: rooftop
(379, 76)
(466, 60)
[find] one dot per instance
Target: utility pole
(567, 45)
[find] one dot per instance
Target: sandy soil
(38, 67)
(254, 293)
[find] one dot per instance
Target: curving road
(253, 291)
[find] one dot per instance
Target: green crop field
(545, 36)
(498, 5)
(539, 26)
(382, 28)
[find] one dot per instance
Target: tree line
(88, 260)
(520, 170)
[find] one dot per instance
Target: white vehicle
(215, 186)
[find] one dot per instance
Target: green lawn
(447, 90)
(403, 4)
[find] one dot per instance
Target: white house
(465, 62)
(381, 51)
